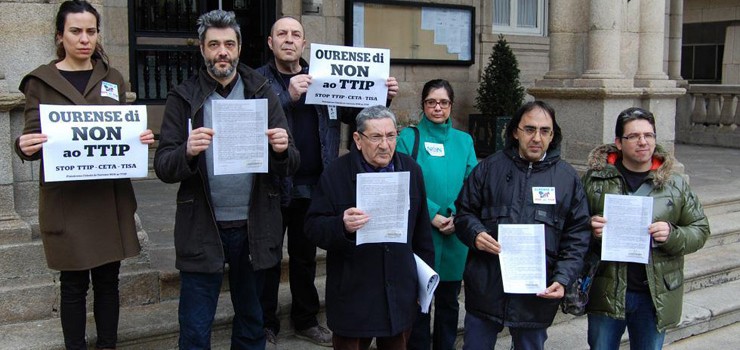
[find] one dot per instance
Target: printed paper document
(385, 198)
(428, 281)
(625, 236)
(240, 143)
(522, 258)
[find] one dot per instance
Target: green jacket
(443, 178)
(674, 203)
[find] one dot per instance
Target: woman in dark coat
(87, 227)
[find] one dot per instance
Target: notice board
(416, 33)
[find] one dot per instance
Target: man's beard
(221, 73)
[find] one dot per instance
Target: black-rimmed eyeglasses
(379, 138)
(431, 103)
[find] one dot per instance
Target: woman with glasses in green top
(446, 157)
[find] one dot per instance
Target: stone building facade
(589, 58)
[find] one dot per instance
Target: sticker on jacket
(543, 195)
(332, 112)
(435, 149)
(109, 90)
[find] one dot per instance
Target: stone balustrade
(709, 115)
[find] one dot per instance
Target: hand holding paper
(31, 143)
(198, 141)
(354, 219)
(486, 243)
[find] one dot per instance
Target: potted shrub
(500, 94)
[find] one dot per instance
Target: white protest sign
(348, 76)
(91, 142)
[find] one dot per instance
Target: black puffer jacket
(197, 241)
(499, 191)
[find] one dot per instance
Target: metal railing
(159, 70)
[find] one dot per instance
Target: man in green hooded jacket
(644, 299)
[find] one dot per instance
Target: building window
(702, 52)
(525, 17)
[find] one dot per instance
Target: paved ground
(713, 172)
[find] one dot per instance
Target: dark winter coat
(499, 191)
(83, 224)
(197, 242)
(371, 289)
(674, 203)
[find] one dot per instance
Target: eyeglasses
(379, 138)
(431, 103)
(531, 130)
(648, 136)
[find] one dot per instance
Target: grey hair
(374, 112)
(218, 19)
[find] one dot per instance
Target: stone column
(652, 39)
(12, 228)
(563, 35)
(731, 59)
(604, 34)
(675, 35)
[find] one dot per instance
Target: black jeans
(302, 265)
(73, 308)
(446, 310)
(199, 294)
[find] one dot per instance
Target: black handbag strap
(415, 150)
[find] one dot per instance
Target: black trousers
(302, 269)
(73, 308)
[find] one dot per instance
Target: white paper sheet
(385, 198)
(240, 144)
(625, 236)
(93, 142)
(428, 281)
(522, 257)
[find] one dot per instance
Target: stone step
(725, 229)
(717, 206)
(14, 231)
(711, 266)
(717, 199)
(151, 326)
(727, 337)
(704, 310)
(22, 260)
(155, 325)
(38, 298)
(30, 291)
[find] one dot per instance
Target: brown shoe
(316, 334)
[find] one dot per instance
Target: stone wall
(697, 11)
(532, 53)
